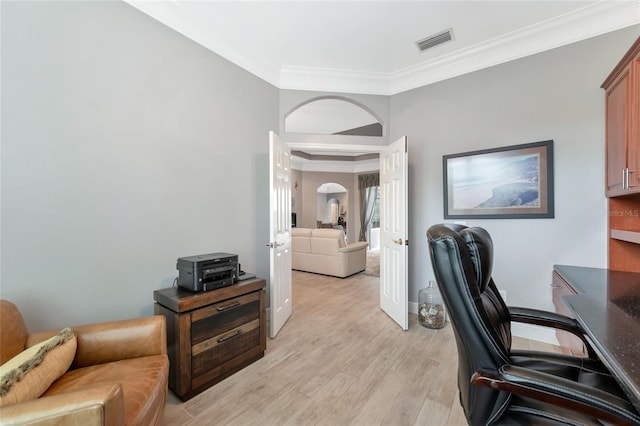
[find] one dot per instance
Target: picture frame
(512, 182)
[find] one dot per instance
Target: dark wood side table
(212, 335)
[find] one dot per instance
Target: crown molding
(589, 21)
(305, 165)
(329, 147)
(332, 80)
(335, 166)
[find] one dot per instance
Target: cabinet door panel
(633, 148)
(617, 132)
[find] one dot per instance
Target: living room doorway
(331, 206)
(393, 257)
(317, 128)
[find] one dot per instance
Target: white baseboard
(526, 331)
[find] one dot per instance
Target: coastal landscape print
(501, 183)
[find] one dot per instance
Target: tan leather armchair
(118, 376)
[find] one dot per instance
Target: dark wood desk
(607, 305)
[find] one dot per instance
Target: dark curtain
(368, 186)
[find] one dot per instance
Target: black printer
(207, 271)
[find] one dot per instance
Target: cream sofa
(324, 251)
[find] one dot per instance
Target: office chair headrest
(476, 242)
(480, 248)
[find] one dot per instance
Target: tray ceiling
(370, 47)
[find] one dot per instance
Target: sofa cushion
(357, 246)
(300, 242)
(300, 232)
(334, 234)
(30, 373)
(143, 381)
(325, 246)
(301, 245)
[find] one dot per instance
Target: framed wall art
(513, 182)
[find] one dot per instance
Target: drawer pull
(229, 306)
(224, 339)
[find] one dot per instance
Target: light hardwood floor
(339, 360)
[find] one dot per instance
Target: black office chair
(501, 386)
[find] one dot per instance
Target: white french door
(280, 233)
(393, 232)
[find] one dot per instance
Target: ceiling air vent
(434, 40)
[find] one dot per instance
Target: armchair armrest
(102, 405)
(550, 319)
(560, 392)
(116, 340)
(360, 245)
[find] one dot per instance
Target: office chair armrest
(553, 320)
(545, 318)
(559, 391)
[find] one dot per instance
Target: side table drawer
(224, 347)
(211, 321)
(224, 351)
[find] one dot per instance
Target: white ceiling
(369, 47)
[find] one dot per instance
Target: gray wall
(124, 146)
(553, 95)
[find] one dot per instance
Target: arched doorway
(331, 202)
(333, 115)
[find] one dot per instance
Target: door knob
(398, 241)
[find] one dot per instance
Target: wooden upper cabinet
(623, 162)
(617, 132)
(622, 88)
(633, 150)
